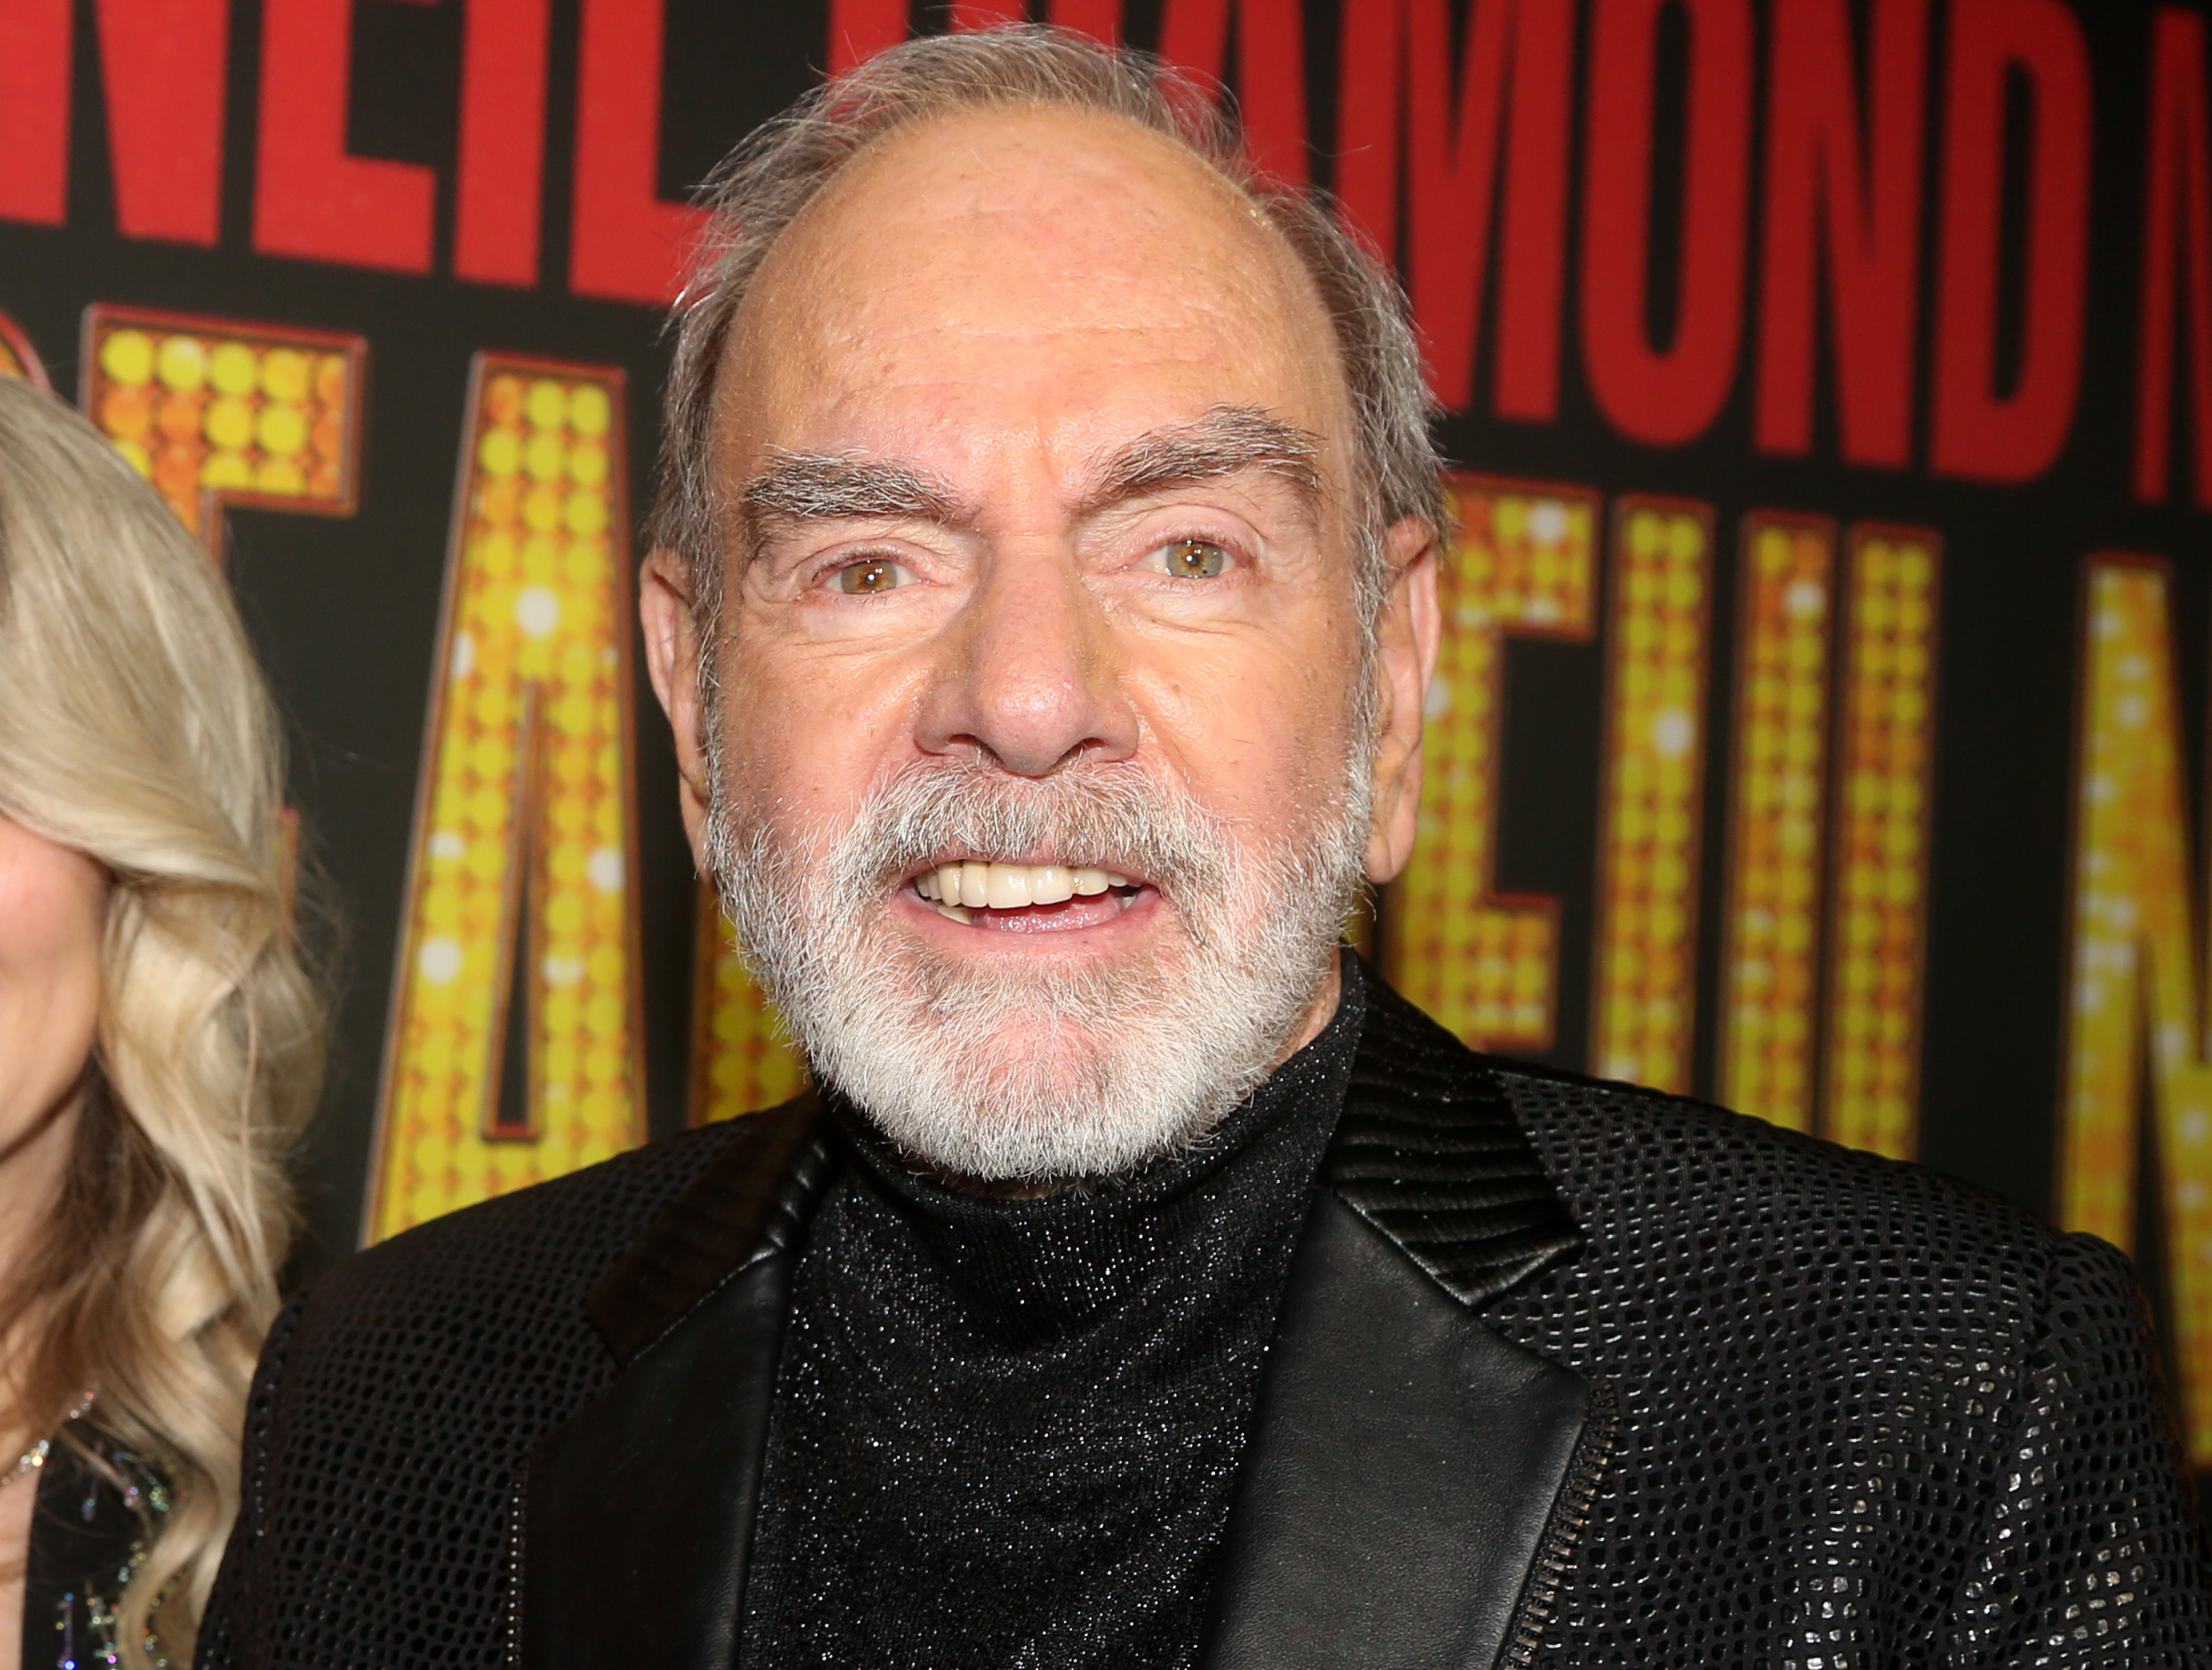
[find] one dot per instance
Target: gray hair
(768, 181)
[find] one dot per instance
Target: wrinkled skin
(999, 302)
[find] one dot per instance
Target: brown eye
(876, 574)
(1193, 559)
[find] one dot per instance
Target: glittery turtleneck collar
(1028, 1270)
(1006, 1431)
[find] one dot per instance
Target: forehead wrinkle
(941, 202)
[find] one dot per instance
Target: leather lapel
(636, 1516)
(1429, 1152)
(751, 1200)
(1414, 1479)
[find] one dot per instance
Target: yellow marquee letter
(2134, 996)
(512, 1053)
(1486, 964)
(1644, 1015)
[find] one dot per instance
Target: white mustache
(1110, 817)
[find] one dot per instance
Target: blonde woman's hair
(136, 728)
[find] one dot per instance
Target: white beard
(1000, 1076)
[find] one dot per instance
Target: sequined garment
(1870, 1416)
(1007, 1430)
(89, 1533)
(1867, 1417)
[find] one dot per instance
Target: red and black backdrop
(1823, 718)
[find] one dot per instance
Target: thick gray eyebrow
(825, 487)
(1227, 441)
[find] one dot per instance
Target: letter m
(1403, 136)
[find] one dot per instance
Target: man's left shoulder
(1677, 1193)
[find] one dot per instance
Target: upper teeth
(1010, 886)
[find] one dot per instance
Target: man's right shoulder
(524, 1259)
(467, 1334)
(397, 1399)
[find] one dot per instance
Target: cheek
(1260, 734)
(52, 908)
(805, 731)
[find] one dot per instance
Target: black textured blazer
(1567, 1373)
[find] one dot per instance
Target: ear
(1406, 635)
(671, 661)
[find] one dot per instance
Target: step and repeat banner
(1822, 714)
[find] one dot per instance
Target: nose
(1030, 680)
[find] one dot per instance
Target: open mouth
(1026, 898)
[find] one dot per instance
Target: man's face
(1039, 586)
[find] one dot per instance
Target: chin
(1084, 1075)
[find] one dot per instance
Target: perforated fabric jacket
(1566, 1373)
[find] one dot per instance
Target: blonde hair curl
(136, 728)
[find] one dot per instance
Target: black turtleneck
(1005, 1431)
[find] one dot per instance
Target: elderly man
(1044, 603)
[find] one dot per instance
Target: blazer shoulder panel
(1618, 1149)
(515, 1259)
(397, 1405)
(1708, 1231)
(1869, 1413)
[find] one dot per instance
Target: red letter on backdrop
(1101, 19)
(2176, 227)
(859, 29)
(1979, 434)
(312, 199)
(1813, 145)
(629, 245)
(164, 64)
(499, 193)
(1665, 397)
(34, 110)
(1271, 71)
(1451, 177)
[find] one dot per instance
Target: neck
(33, 1166)
(1322, 1010)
